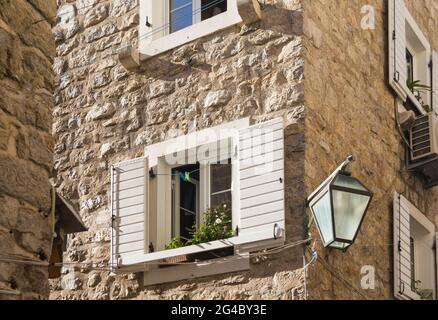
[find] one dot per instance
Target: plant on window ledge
(217, 226)
(425, 294)
(417, 88)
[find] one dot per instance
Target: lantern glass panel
(348, 182)
(322, 211)
(349, 209)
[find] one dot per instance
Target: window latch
(148, 24)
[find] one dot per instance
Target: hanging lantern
(338, 207)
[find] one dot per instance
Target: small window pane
(220, 199)
(220, 177)
(181, 14)
(410, 66)
(211, 8)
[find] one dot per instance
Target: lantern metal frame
(327, 187)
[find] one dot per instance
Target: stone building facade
(307, 61)
(26, 145)
(350, 110)
(104, 114)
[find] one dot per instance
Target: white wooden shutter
(435, 81)
(402, 249)
(436, 265)
(129, 200)
(397, 47)
(261, 186)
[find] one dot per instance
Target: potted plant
(425, 294)
(216, 226)
(417, 88)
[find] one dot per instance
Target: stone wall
(26, 145)
(105, 114)
(350, 110)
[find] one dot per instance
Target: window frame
(152, 42)
(419, 47)
(156, 152)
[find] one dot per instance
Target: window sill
(130, 262)
(152, 48)
(415, 102)
(229, 264)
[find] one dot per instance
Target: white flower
(218, 221)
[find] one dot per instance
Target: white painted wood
(192, 271)
(261, 185)
(436, 264)
(397, 47)
(259, 235)
(156, 39)
(435, 81)
(129, 203)
(402, 249)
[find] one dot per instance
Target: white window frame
(156, 39)
(427, 226)
(418, 45)
(405, 34)
(257, 159)
(404, 211)
(155, 154)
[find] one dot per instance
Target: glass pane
(181, 14)
(348, 182)
(410, 66)
(348, 211)
(322, 211)
(220, 199)
(339, 245)
(187, 209)
(188, 196)
(220, 177)
(211, 8)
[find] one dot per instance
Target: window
(414, 252)
(181, 14)
(409, 57)
(167, 24)
(160, 200)
(184, 13)
(185, 201)
(220, 184)
(409, 66)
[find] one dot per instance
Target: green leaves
(217, 226)
(417, 88)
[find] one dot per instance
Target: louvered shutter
(129, 199)
(436, 264)
(397, 47)
(435, 81)
(402, 249)
(261, 186)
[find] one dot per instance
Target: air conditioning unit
(424, 137)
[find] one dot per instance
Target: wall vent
(424, 137)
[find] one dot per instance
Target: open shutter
(397, 47)
(436, 265)
(261, 186)
(435, 81)
(129, 200)
(402, 249)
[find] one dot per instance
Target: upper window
(167, 24)
(184, 13)
(409, 58)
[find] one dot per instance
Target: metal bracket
(341, 168)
